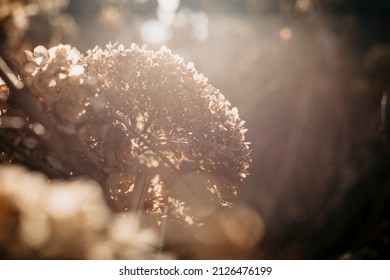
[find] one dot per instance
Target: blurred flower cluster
(27, 23)
(66, 220)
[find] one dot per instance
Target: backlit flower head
(148, 119)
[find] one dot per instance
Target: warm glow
(303, 5)
(286, 33)
(155, 32)
(76, 70)
(169, 5)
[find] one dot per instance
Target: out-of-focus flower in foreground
(65, 220)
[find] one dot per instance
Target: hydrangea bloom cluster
(145, 120)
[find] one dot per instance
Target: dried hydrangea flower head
(150, 121)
